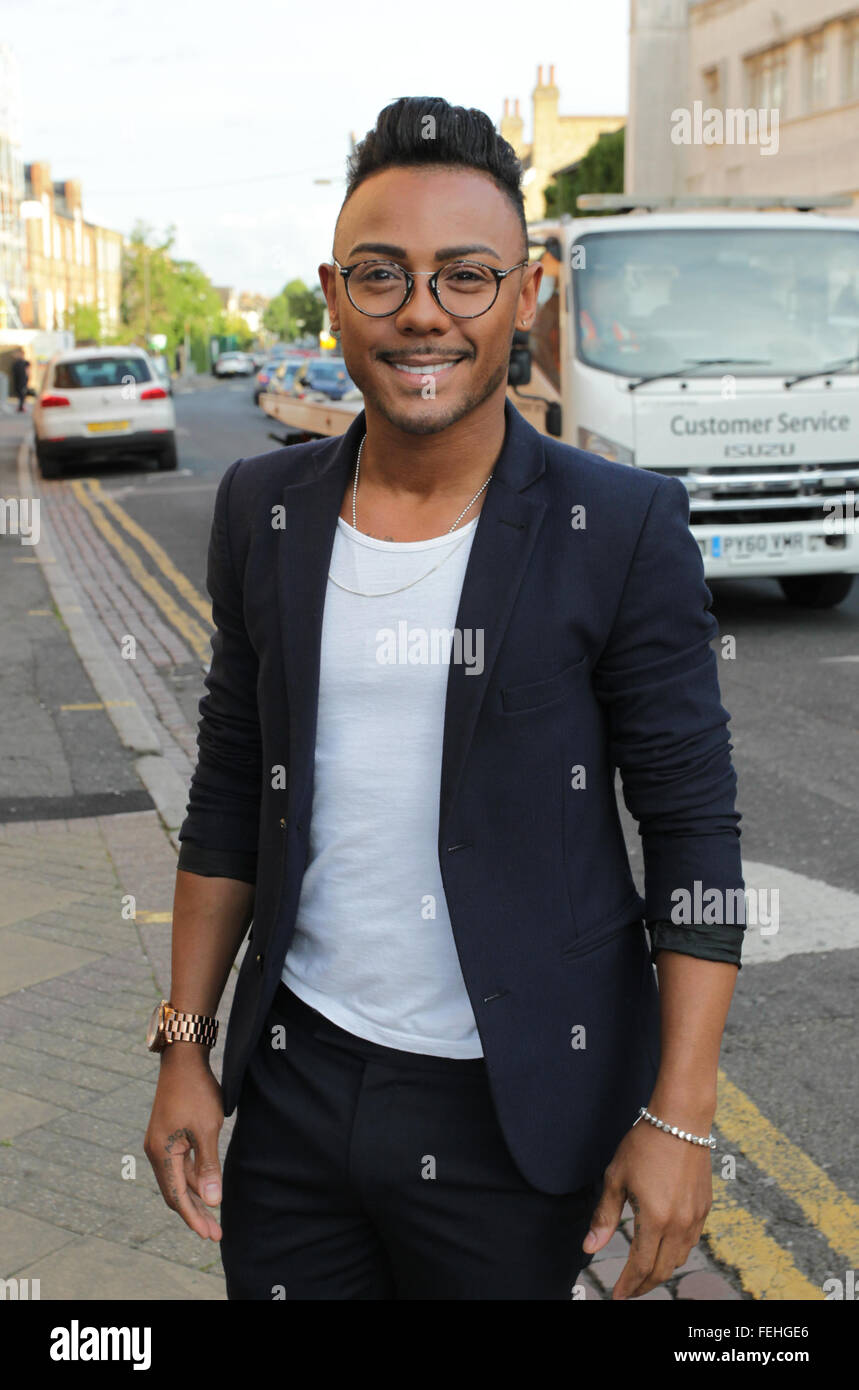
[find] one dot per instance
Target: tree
(600, 170)
(163, 295)
(84, 322)
(296, 311)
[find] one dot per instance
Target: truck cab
(720, 347)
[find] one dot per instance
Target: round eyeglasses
(463, 289)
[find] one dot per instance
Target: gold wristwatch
(167, 1026)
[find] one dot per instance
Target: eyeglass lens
(380, 287)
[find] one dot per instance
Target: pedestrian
(436, 638)
(20, 377)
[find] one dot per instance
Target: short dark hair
(461, 137)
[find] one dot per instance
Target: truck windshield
(653, 303)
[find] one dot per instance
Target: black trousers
(357, 1171)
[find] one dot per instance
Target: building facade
(801, 59)
(771, 92)
(69, 260)
(557, 140)
(12, 243)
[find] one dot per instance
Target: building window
(58, 253)
(850, 71)
(712, 85)
(814, 69)
(766, 80)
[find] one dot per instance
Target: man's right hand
(181, 1140)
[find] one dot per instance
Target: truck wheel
(816, 590)
(167, 459)
(48, 467)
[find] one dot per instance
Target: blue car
(327, 375)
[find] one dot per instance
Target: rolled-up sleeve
(658, 682)
(723, 943)
(220, 831)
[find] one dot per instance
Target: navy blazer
(590, 591)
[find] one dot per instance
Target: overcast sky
(217, 116)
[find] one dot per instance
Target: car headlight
(594, 443)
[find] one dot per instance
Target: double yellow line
(97, 502)
(740, 1239)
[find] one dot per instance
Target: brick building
(68, 259)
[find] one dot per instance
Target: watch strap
(196, 1028)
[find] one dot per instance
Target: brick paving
(76, 1082)
(118, 605)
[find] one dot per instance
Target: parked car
(161, 367)
(326, 376)
(100, 403)
(233, 364)
(264, 377)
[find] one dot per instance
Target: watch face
(154, 1035)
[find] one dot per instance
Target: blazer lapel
(503, 541)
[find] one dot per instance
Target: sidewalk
(79, 1206)
(84, 955)
(85, 905)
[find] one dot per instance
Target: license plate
(766, 545)
(95, 426)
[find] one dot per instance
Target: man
(599, 321)
(437, 635)
(20, 377)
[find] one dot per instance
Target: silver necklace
(355, 493)
(450, 553)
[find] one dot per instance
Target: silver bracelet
(644, 1114)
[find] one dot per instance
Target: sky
(216, 117)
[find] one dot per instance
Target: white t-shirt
(373, 948)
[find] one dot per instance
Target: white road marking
(834, 660)
(813, 916)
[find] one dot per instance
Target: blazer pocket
(536, 694)
(594, 941)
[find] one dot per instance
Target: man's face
(422, 218)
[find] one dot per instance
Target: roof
(73, 354)
(669, 221)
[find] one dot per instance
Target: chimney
(512, 125)
(552, 75)
(540, 75)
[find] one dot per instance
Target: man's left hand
(668, 1183)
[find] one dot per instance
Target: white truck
(717, 344)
